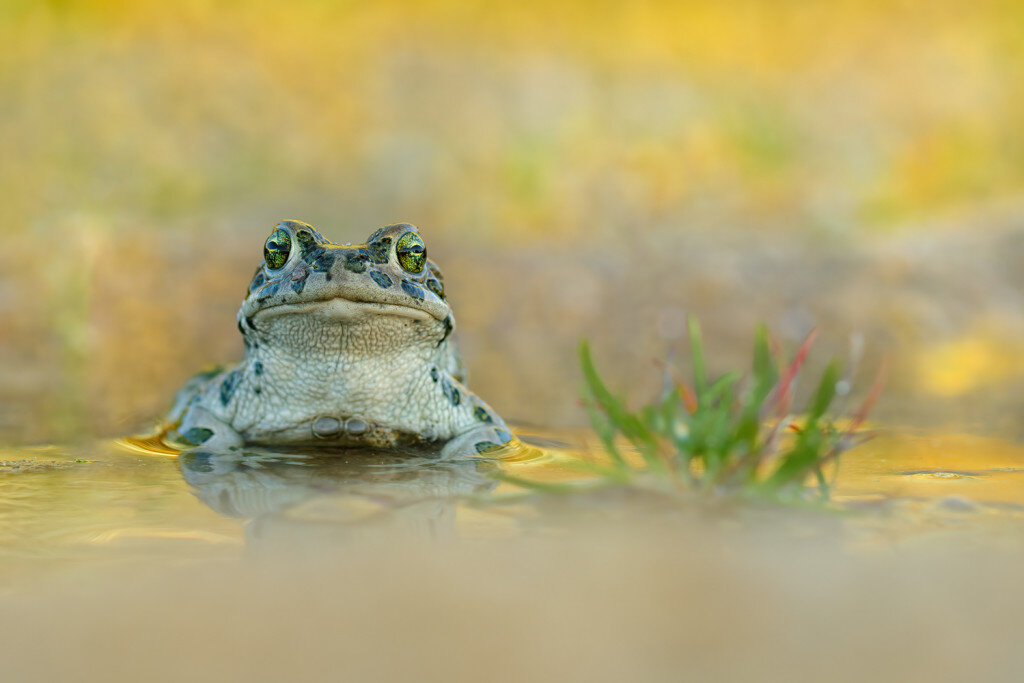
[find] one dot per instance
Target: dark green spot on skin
(307, 241)
(314, 250)
(435, 286)
(228, 386)
(452, 393)
(257, 390)
(413, 291)
(481, 414)
(381, 279)
(323, 262)
(298, 285)
(257, 368)
(311, 254)
(198, 435)
(486, 446)
(448, 327)
(379, 250)
(433, 374)
(355, 261)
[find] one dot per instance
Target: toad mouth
(342, 309)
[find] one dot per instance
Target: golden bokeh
(578, 169)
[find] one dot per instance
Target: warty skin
(345, 345)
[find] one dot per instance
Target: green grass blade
(631, 425)
(606, 433)
(824, 394)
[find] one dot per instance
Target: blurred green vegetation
(732, 436)
(578, 169)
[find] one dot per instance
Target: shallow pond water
(135, 565)
(65, 509)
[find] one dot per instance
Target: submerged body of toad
(349, 345)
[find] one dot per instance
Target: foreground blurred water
(69, 509)
(265, 565)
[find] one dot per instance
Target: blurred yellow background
(578, 169)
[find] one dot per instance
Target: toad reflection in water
(304, 501)
(344, 346)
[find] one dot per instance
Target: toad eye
(277, 249)
(412, 254)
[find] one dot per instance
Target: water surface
(68, 510)
(122, 565)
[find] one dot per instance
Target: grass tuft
(733, 436)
